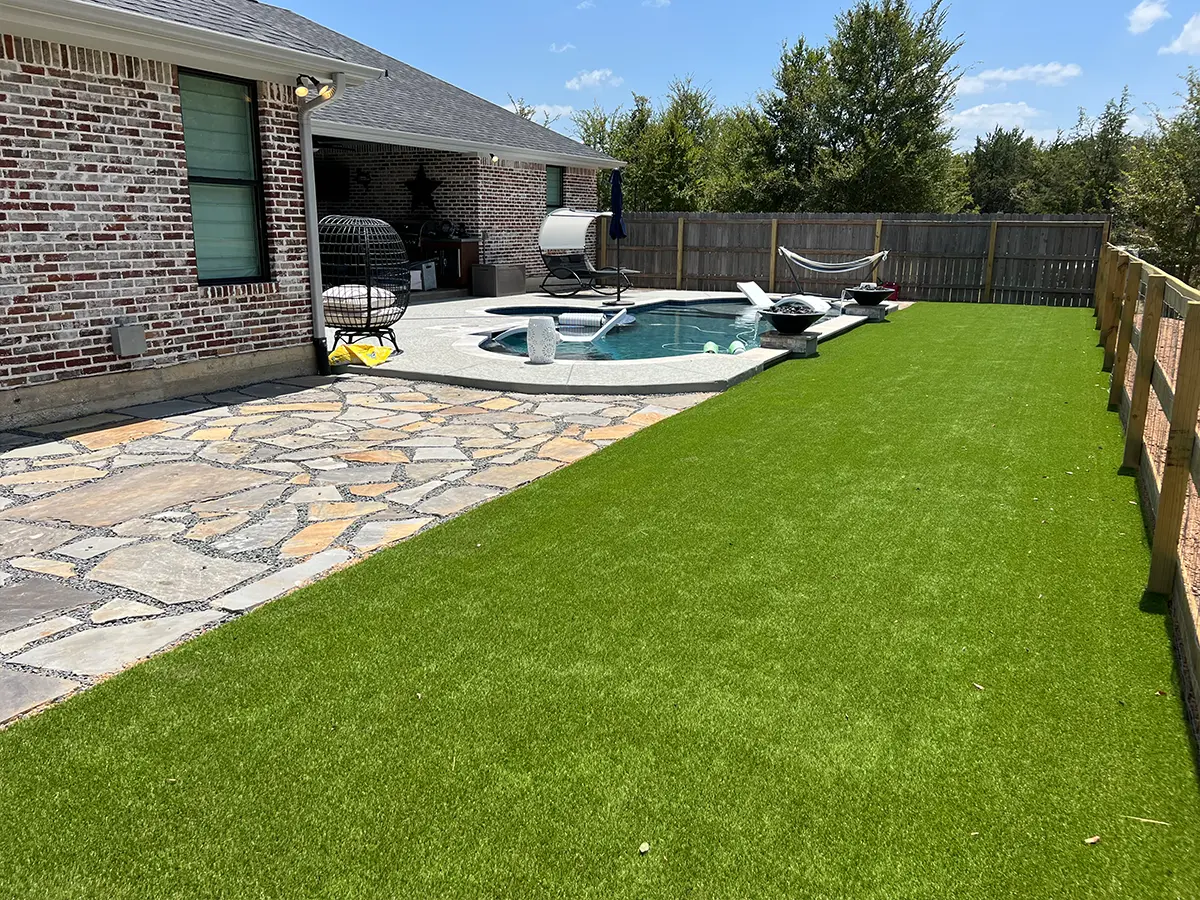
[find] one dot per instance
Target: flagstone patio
(122, 534)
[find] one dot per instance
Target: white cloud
(657, 4)
(596, 78)
(1139, 124)
(980, 120)
(556, 48)
(1188, 40)
(1146, 14)
(586, 4)
(988, 115)
(1054, 74)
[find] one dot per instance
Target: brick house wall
(505, 201)
(378, 176)
(95, 220)
(513, 206)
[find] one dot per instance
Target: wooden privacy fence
(1150, 328)
(1036, 260)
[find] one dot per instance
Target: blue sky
(1029, 62)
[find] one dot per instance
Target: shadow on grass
(1154, 604)
(1160, 605)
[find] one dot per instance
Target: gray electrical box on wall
(129, 340)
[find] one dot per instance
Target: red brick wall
(513, 206)
(379, 174)
(95, 221)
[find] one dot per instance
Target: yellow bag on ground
(360, 354)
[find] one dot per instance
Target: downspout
(307, 107)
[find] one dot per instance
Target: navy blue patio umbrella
(616, 225)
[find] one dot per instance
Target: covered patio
(454, 209)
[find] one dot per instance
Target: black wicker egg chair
(365, 278)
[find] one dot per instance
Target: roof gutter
(329, 128)
(315, 286)
(121, 31)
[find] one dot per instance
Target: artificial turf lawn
(748, 635)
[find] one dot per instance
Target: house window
(220, 135)
(554, 187)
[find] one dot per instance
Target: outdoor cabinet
(497, 281)
(455, 256)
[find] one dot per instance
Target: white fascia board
(98, 27)
(327, 128)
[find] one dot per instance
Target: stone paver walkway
(122, 534)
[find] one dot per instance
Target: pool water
(669, 329)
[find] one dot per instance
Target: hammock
(833, 267)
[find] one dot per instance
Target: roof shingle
(404, 100)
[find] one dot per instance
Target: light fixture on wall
(495, 159)
(306, 85)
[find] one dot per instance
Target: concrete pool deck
(441, 344)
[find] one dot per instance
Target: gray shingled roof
(404, 100)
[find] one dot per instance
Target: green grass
(747, 635)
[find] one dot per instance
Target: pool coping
(440, 343)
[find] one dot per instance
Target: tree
(525, 111)
(667, 150)
(675, 152)
(1055, 186)
(1080, 172)
(1104, 146)
(999, 169)
(742, 175)
(1159, 197)
(594, 127)
(882, 99)
(793, 133)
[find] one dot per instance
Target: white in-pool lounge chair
(578, 328)
(583, 328)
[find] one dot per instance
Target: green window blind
(554, 187)
(223, 179)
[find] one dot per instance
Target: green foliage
(1160, 196)
(999, 170)
(664, 148)
(793, 131)
(741, 175)
(882, 97)
(858, 124)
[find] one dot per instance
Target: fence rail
(1035, 260)
(1149, 325)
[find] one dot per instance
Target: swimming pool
(667, 329)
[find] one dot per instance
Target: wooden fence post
(679, 254)
(1101, 280)
(991, 263)
(1112, 307)
(1133, 281)
(1156, 288)
(1177, 471)
(774, 254)
(602, 237)
(878, 234)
